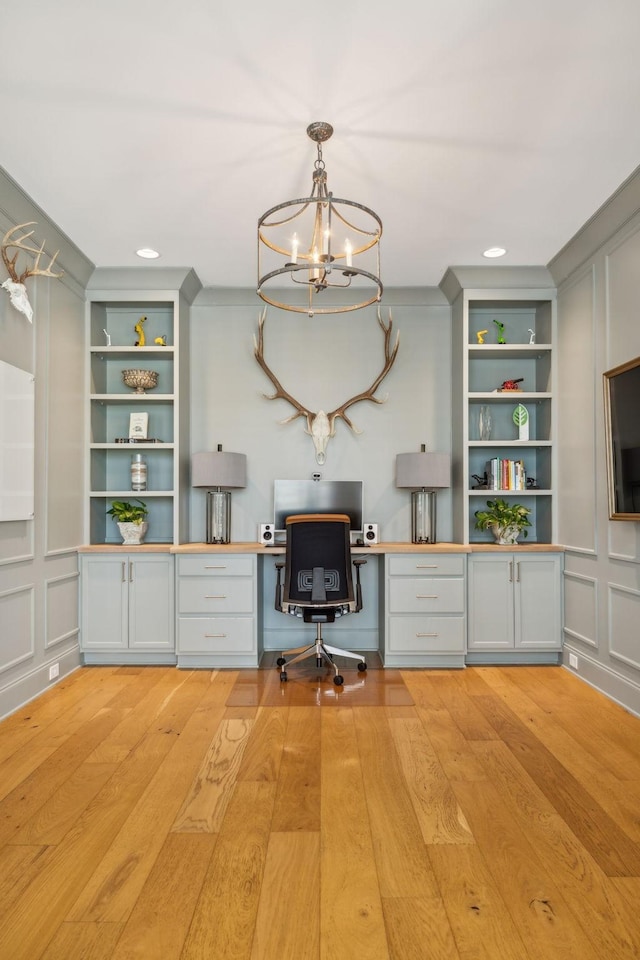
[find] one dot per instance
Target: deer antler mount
(14, 285)
(321, 426)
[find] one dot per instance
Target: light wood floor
(157, 814)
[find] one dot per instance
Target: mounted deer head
(15, 284)
(321, 426)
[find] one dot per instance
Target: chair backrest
(318, 561)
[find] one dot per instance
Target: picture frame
(138, 426)
(622, 435)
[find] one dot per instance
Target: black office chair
(318, 584)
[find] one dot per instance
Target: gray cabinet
(127, 608)
(219, 609)
(515, 607)
(424, 610)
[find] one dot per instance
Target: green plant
(123, 511)
(502, 514)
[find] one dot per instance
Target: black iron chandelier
(319, 254)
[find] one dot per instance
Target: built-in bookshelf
(526, 320)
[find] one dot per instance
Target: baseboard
(27, 687)
(621, 690)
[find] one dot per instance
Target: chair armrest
(278, 598)
(357, 562)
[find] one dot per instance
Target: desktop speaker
(266, 534)
(370, 533)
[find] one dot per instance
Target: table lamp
(217, 470)
(424, 473)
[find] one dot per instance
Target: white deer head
(14, 285)
(321, 426)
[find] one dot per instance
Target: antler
(21, 244)
(390, 356)
(281, 393)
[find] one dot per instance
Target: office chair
(318, 584)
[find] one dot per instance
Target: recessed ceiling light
(494, 252)
(147, 253)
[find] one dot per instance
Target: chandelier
(319, 254)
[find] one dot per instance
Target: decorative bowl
(140, 380)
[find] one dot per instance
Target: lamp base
(423, 516)
(218, 516)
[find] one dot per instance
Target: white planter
(133, 533)
(505, 535)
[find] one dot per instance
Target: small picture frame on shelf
(138, 426)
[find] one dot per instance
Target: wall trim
(567, 631)
(612, 589)
(29, 588)
(622, 690)
(33, 684)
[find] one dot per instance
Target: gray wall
(321, 362)
(599, 327)
(38, 563)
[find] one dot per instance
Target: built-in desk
(418, 599)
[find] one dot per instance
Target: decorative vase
(485, 422)
(133, 533)
(506, 536)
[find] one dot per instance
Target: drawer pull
(427, 634)
(215, 566)
(426, 596)
(213, 596)
(426, 566)
(215, 636)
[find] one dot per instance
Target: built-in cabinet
(515, 607)
(219, 610)
(423, 617)
(144, 329)
(127, 607)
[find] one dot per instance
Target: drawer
(215, 635)
(426, 565)
(426, 635)
(215, 595)
(216, 565)
(423, 595)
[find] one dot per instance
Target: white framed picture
(138, 426)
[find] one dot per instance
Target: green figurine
(500, 327)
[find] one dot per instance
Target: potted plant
(131, 520)
(505, 520)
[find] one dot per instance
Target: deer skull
(14, 285)
(321, 426)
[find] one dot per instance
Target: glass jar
(138, 472)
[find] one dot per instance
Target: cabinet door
(491, 603)
(538, 615)
(104, 603)
(150, 602)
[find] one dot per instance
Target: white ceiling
(464, 124)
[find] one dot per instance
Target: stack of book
(506, 474)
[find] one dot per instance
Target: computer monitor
(291, 497)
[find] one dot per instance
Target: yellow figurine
(161, 341)
(480, 335)
(138, 329)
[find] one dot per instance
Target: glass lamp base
(218, 516)
(423, 516)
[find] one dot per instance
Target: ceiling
(463, 125)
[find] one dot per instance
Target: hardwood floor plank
(434, 802)
(417, 929)
(90, 941)
(160, 920)
(471, 722)
(225, 915)
(263, 754)
(18, 867)
(584, 886)
(56, 817)
(288, 920)
(601, 836)
(403, 866)
(350, 903)
(528, 889)
(297, 804)
(481, 924)
(204, 806)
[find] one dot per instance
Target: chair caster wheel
(283, 675)
(362, 667)
(338, 680)
(281, 661)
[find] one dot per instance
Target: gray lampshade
(423, 470)
(218, 469)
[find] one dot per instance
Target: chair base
(324, 653)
